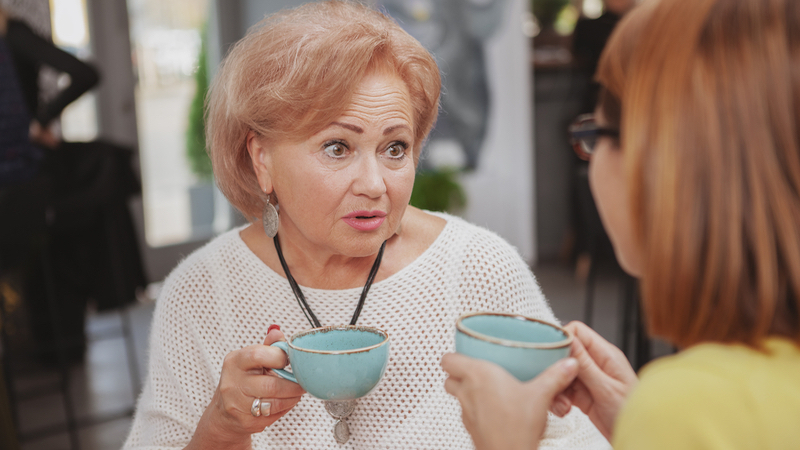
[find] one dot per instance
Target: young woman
(696, 173)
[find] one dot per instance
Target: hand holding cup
(228, 421)
(506, 373)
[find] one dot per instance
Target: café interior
(536, 71)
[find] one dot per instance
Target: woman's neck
(320, 270)
(324, 270)
(311, 267)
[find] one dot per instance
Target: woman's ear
(260, 157)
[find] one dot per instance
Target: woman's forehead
(379, 101)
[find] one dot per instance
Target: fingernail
(273, 327)
(569, 364)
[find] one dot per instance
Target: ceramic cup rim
(374, 330)
(566, 342)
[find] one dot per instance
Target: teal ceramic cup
(521, 345)
(336, 362)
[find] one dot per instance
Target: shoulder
(696, 399)
(491, 273)
(679, 379)
(485, 245)
(731, 364)
(469, 249)
(428, 226)
(191, 293)
(419, 230)
(472, 235)
(440, 235)
(196, 271)
(479, 251)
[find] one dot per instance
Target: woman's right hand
(605, 378)
(227, 421)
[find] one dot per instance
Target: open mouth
(365, 220)
(363, 214)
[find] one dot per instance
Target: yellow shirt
(715, 396)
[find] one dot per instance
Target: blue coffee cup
(336, 362)
(522, 345)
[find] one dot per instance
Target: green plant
(196, 154)
(547, 11)
(438, 190)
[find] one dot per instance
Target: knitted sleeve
(180, 377)
(496, 278)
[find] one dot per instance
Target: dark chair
(23, 232)
(633, 336)
(29, 232)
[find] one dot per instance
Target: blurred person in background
(24, 52)
(588, 40)
(315, 124)
(592, 245)
(696, 170)
(77, 190)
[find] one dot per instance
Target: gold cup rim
(374, 330)
(460, 326)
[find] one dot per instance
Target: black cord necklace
(301, 299)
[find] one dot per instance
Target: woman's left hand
(43, 136)
(498, 410)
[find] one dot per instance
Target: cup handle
(285, 374)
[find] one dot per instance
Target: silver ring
(265, 408)
(255, 409)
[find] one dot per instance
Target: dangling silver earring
(269, 219)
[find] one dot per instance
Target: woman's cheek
(607, 182)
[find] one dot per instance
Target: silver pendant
(341, 431)
(340, 410)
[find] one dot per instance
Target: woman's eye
(397, 150)
(335, 149)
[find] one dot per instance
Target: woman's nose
(369, 178)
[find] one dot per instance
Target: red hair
(295, 72)
(710, 116)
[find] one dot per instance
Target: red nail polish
(273, 327)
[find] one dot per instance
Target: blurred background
(515, 74)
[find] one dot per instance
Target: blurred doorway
(166, 43)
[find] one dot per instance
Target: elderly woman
(695, 166)
(316, 120)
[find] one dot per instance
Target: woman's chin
(362, 244)
(630, 265)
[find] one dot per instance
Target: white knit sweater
(222, 298)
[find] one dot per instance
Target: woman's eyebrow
(351, 127)
(394, 127)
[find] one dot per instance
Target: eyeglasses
(583, 134)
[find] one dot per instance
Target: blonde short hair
(295, 72)
(710, 133)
